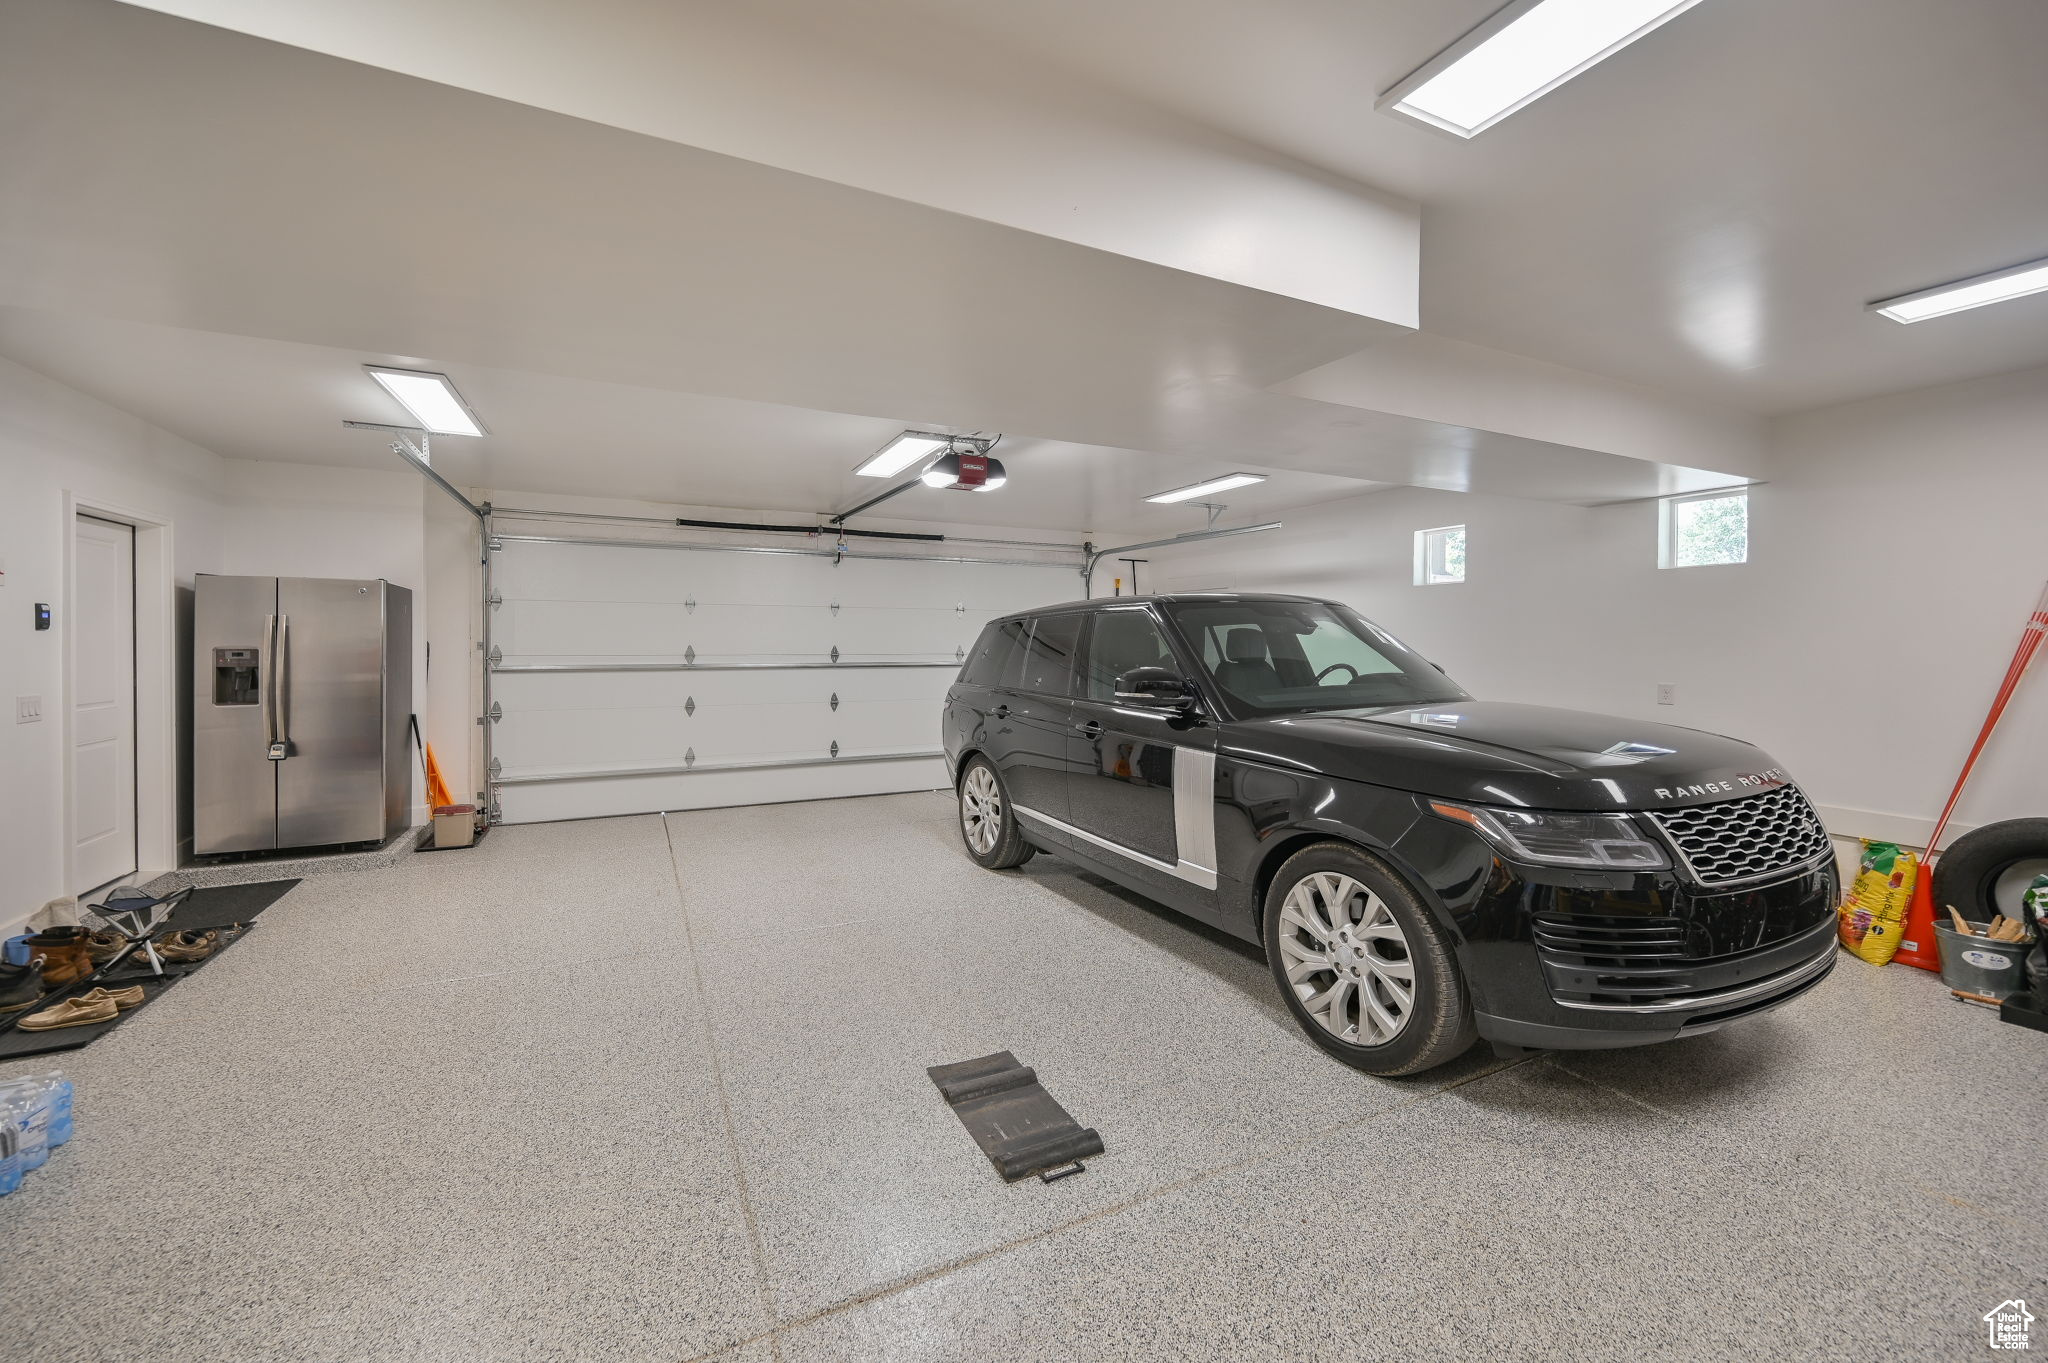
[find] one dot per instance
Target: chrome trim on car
(1194, 810)
(1194, 822)
(1706, 1003)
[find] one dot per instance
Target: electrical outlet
(1667, 693)
(28, 709)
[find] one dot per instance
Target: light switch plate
(28, 709)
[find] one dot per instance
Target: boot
(20, 986)
(67, 958)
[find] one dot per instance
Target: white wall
(1894, 557)
(59, 447)
(56, 442)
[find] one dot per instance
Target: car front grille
(1747, 839)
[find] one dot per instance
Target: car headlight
(1606, 842)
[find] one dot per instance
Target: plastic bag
(1873, 916)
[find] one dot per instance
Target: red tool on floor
(1917, 945)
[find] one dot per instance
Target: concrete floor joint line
(732, 1136)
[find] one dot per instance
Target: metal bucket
(1978, 965)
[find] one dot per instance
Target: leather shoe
(123, 999)
(79, 1012)
(187, 948)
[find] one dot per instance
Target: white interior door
(730, 694)
(102, 703)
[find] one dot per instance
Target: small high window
(1440, 555)
(1704, 529)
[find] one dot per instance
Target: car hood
(1494, 752)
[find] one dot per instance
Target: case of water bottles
(35, 1118)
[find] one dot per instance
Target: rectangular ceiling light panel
(1523, 52)
(431, 399)
(1975, 292)
(1223, 484)
(900, 453)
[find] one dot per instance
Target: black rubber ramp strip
(1018, 1125)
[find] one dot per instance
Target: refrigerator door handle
(284, 684)
(275, 630)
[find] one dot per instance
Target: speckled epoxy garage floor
(654, 1089)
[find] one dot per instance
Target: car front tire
(988, 822)
(1362, 964)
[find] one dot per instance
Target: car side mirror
(1156, 688)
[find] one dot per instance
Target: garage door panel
(557, 741)
(905, 631)
(739, 632)
(898, 725)
(580, 739)
(569, 605)
(580, 572)
(714, 789)
(558, 631)
(520, 691)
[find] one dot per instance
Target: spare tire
(1967, 875)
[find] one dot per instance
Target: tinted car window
(996, 655)
(1282, 657)
(1118, 641)
(1049, 656)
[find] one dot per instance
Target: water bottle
(10, 1163)
(37, 1108)
(59, 1089)
(18, 1110)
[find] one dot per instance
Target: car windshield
(1287, 657)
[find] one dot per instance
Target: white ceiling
(279, 400)
(1705, 212)
(189, 186)
(1708, 211)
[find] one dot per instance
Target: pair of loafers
(94, 1006)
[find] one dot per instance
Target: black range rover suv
(1421, 867)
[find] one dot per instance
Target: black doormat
(1017, 1124)
(215, 906)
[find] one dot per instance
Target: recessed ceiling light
(900, 453)
(1521, 53)
(1975, 292)
(431, 398)
(1223, 484)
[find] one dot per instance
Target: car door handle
(1001, 712)
(1092, 729)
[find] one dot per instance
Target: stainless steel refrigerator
(300, 703)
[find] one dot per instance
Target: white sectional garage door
(633, 678)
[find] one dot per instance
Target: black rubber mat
(215, 906)
(16, 1044)
(1018, 1125)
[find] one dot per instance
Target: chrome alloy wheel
(981, 810)
(1347, 959)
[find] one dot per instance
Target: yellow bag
(1874, 914)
